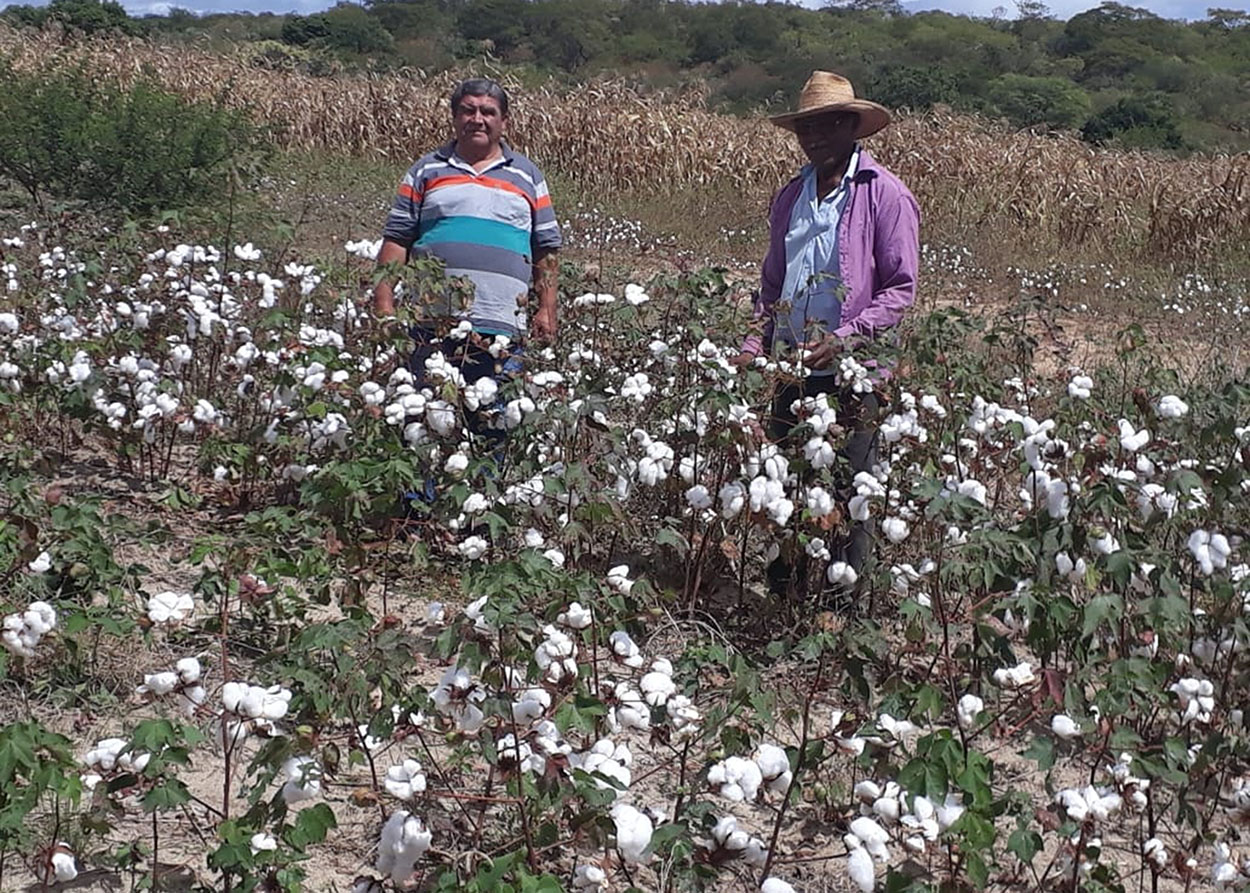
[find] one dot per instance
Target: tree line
(1118, 74)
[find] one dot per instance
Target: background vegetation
(1116, 73)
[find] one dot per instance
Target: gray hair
(480, 87)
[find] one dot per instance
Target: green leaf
(165, 796)
(978, 871)
(662, 835)
(1041, 749)
(1025, 843)
(925, 777)
(311, 826)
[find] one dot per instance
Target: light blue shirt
(812, 287)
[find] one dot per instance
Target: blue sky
(1063, 9)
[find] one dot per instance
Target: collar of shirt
(447, 152)
(809, 179)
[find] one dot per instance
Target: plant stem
(798, 767)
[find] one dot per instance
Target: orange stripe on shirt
(489, 182)
(407, 191)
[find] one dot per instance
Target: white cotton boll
(262, 842)
(405, 780)
(967, 711)
(1132, 439)
(274, 702)
(737, 779)
(475, 503)
(887, 809)
(633, 832)
(841, 573)
(188, 670)
(555, 556)
(1155, 853)
(589, 877)
(819, 502)
(1064, 727)
(473, 548)
(531, 705)
(860, 870)
(170, 607)
(950, 811)
(774, 767)
(62, 865)
(859, 508)
(1171, 407)
(733, 497)
(699, 498)
(867, 791)
(1106, 544)
(303, 779)
(1080, 387)
(684, 716)
(635, 294)
(473, 611)
(776, 885)
(456, 464)
(872, 836)
(575, 616)
(625, 649)
(440, 417)
(657, 688)
(41, 564)
(403, 841)
(159, 683)
(895, 529)
(1015, 677)
(232, 696)
(618, 579)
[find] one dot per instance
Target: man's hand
(384, 291)
(743, 360)
(546, 272)
(821, 353)
(543, 325)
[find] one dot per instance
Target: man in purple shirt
(840, 271)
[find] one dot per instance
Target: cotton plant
(23, 631)
(184, 682)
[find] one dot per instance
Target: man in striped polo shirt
(484, 210)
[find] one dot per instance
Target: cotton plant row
(1114, 496)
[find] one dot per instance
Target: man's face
(478, 122)
(826, 137)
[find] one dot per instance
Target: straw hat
(829, 92)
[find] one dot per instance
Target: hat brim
(872, 117)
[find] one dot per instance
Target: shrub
(135, 147)
(1136, 123)
(1028, 101)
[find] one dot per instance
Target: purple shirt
(878, 255)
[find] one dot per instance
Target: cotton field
(279, 612)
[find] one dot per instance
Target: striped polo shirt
(484, 225)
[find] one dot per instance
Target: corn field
(975, 179)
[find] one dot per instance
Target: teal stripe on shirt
(477, 231)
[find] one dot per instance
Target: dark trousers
(858, 414)
(474, 362)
